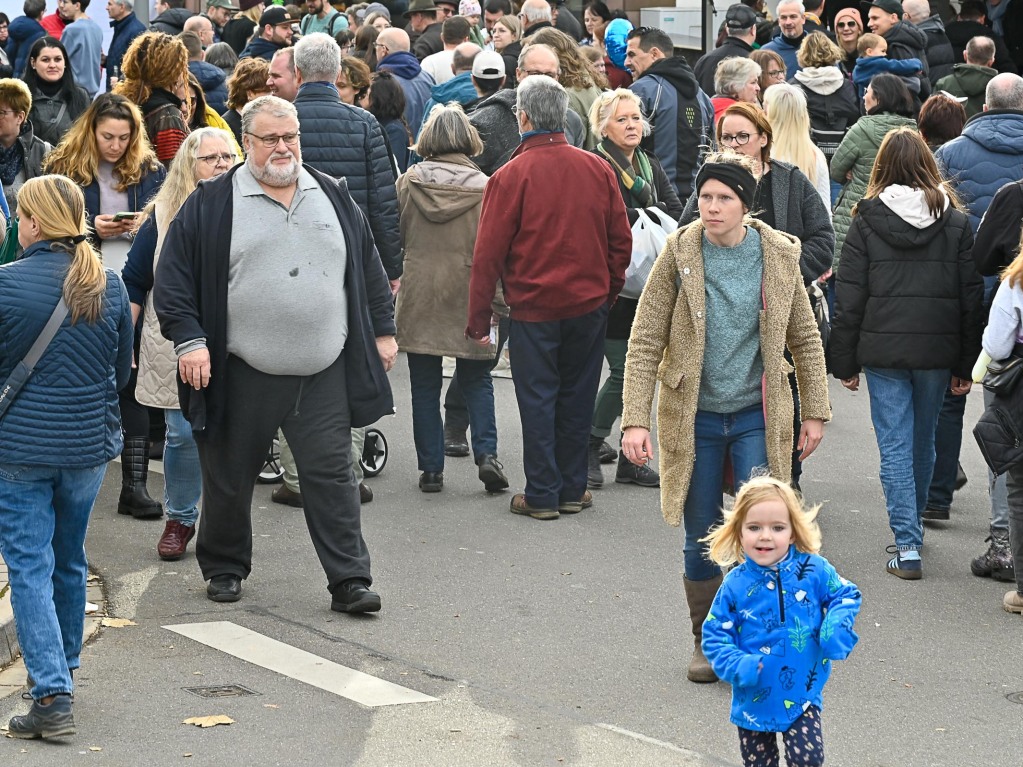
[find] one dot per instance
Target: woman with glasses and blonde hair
(784, 199)
(50, 477)
(439, 203)
(21, 151)
(617, 118)
(106, 153)
(205, 154)
(848, 27)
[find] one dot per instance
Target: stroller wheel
(273, 471)
(374, 453)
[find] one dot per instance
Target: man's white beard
(274, 175)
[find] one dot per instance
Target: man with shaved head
(393, 55)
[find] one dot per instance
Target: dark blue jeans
(426, 378)
(739, 437)
(948, 441)
(556, 369)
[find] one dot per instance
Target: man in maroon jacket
(554, 230)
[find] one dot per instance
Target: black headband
(732, 175)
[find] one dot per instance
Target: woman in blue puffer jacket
(57, 436)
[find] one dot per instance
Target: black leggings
(804, 746)
(134, 417)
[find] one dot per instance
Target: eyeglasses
(532, 72)
(380, 45)
(739, 139)
(5, 112)
(224, 157)
(775, 73)
(289, 139)
(846, 25)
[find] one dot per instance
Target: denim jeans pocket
(13, 472)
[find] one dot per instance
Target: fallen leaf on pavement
(209, 721)
(117, 623)
(270, 705)
(95, 748)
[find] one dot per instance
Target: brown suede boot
(700, 595)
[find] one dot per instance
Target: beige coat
(667, 345)
(439, 204)
(158, 364)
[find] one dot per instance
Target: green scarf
(637, 177)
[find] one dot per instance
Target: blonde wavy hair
(153, 60)
(724, 543)
(790, 123)
(575, 70)
(58, 206)
(77, 155)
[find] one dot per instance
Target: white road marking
(647, 739)
(298, 664)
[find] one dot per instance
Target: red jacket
(554, 230)
(53, 24)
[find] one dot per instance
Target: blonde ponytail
(58, 206)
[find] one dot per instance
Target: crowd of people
(832, 191)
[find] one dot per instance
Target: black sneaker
(431, 481)
(935, 515)
(628, 472)
(491, 473)
(44, 721)
(354, 596)
(607, 453)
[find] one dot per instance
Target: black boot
(594, 475)
(135, 498)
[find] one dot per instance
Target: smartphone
(122, 216)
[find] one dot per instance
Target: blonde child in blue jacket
(779, 619)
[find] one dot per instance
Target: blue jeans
(426, 378)
(44, 514)
(948, 441)
(739, 436)
(904, 408)
(182, 475)
(997, 489)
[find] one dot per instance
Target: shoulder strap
(46, 336)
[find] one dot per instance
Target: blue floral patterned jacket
(772, 633)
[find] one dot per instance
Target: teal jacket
(772, 633)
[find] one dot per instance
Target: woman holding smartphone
(106, 153)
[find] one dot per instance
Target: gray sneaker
(42, 721)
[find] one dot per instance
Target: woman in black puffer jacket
(908, 313)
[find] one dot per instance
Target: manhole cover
(1015, 697)
(220, 691)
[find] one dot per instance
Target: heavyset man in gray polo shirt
(281, 315)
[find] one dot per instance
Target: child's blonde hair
(868, 42)
(1014, 271)
(725, 540)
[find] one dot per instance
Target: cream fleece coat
(667, 345)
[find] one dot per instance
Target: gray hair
(605, 106)
(318, 58)
(536, 10)
(129, 4)
(1004, 91)
(802, 8)
(732, 75)
(266, 105)
(980, 50)
(544, 101)
(448, 131)
(917, 10)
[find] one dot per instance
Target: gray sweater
(1005, 323)
(732, 366)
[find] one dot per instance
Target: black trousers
(313, 413)
(556, 370)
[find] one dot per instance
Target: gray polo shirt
(287, 312)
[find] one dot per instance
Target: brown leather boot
(700, 595)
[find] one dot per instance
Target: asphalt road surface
(509, 641)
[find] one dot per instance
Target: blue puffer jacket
(346, 142)
(138, 195)
(986, 157)
(67, 414)
(21, 33)
(260, 49)
(214, 84)
(772, 633)
(459, 88)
